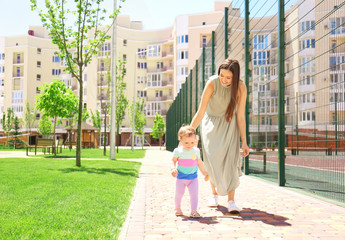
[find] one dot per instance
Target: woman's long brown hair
(234, 67)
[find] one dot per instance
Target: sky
(16, 16)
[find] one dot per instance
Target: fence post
(247, 72)
(203, 69)
(213, 53)
(191, 97)
(281, 94)
(196, 85)
(186, 101)
(226, 15)
(336, 122)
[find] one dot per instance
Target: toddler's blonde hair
(186, 131)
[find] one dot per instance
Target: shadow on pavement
(250, 214)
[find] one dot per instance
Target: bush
(259, 147)
(273, 146)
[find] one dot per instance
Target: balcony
(102, 84)
(167, 54)
(159, 70)
(18, 74)
(103, 69)
(104, 54)
(159, 84)
(19, 61)
(157, 99)
(152, 113)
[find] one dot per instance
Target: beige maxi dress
(221, 141)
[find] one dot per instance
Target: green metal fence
(292, 58)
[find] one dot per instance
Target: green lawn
(52, 199)
(95, 153)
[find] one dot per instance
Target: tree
(97, 121)
(158, 129)
(139, 118)
(45, 126)
(29, 117)
(121, 100)
(16, 133)
(7, 122)
(83, 35)
(56, 100)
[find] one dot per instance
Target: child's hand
(174, 172)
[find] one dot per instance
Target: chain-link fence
(292, 58)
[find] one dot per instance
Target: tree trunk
(160, 143)
(80, 115)
(117, 140)
(105, 134)
(54, 142)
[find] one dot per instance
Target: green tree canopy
(158, 129)
(56, 101)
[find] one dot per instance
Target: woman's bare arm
(206, 95)
(241, 120)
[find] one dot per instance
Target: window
(38, 91)
(84, 76)
(260, 41)
(2, 56)
(182, 55)
(105, 47)
(38, 64)
(307, 43)
(141, 65)
(38, 77)
(307, 26)
(17, 84)
(159, 93)
(39, 50)
(141, 94)
(203, 23)
(204, 41)
(182, 39)
(124, 57)
(124, 42)
(186, 38)
(337, 25)
(56, 71)
(154, 50)
(56, 59)
(307, 65)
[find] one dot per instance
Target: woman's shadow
(246, 214)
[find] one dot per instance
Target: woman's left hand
(245, 150)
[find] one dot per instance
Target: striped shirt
(187, 161)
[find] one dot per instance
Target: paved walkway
(269, 211)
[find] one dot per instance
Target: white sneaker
(213, 202)
(232, 208)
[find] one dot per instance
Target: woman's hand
(245, 150)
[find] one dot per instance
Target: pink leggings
(193, 187)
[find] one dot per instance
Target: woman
(224, 101)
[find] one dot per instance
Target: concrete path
(269, 211)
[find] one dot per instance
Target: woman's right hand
(174, 172)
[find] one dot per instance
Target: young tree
(83, 35)
(45, 126)
(158, 129)
(121, 100)
(56, 100)
(7, 122)
(29, 117)
(16, 133)
(139, 118)
(97, 122)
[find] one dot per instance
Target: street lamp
(133, 110)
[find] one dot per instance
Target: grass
(95, 153)
(41, 199)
